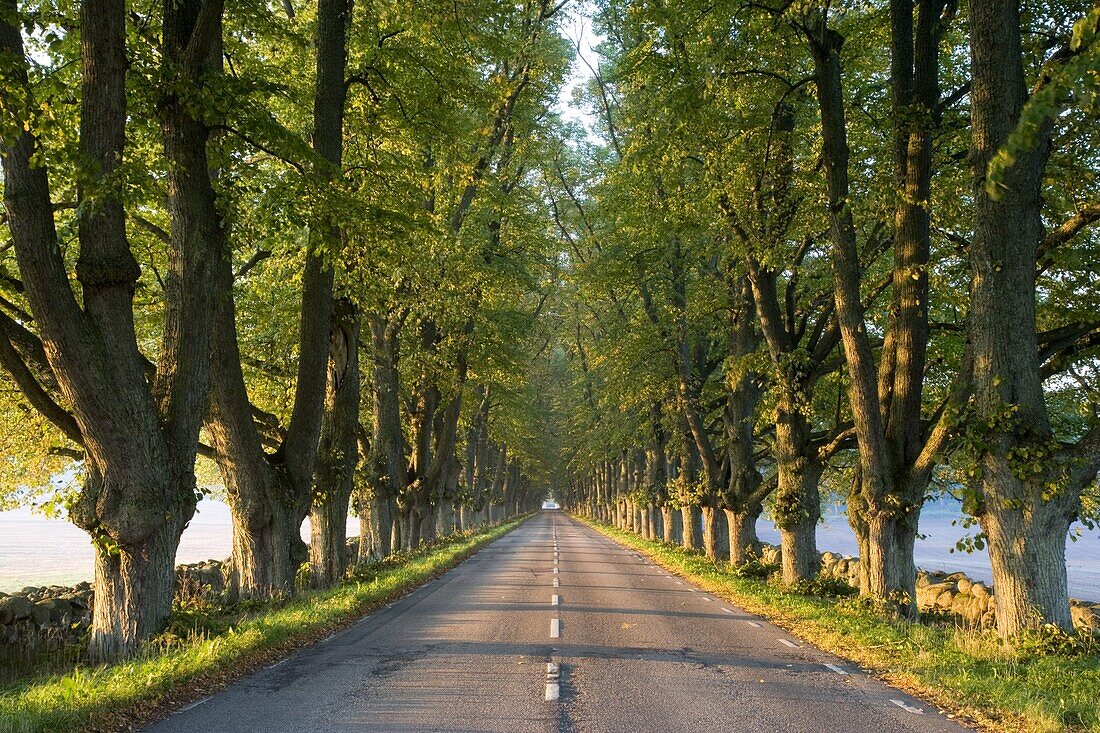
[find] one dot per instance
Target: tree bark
(744, 544)
(691, 534)
(797, 498)
(338, 453)
(386, 470)
(668, 524)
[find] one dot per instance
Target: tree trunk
(445, 519)
(711, 533)
(691, 536)
(668, 525)
(367, 552)
(139, 434)
(337, 454)
(134, 587)
(797, 498)
(1029, 487)
(386, 468)
(382, 518)
(1027, 551)
(743, 541)
(267, 548)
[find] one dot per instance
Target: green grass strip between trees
(968, 673)
(175, 671)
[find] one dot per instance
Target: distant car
(550, 505)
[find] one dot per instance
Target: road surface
(554, 628)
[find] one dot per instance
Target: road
(556, 628)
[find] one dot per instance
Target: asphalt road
(556, 628)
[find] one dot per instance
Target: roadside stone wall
(970, 602)
(43, 619)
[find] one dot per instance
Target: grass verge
(228, 645)
(970, 674)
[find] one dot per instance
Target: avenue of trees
(841, 250)
(292, 250)
(323, 258)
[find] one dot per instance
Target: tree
(138, 426)
(1027, 485)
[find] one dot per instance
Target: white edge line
(195, 704)
(835, 668)
(728, 610)
(555, 628)
(788, 642)
(272, 666)
(553, 691)
(754, 624)
(901, 704)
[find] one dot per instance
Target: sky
(578, 28)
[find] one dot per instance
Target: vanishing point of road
(556, 628)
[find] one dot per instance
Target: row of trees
(844, 248)
(304, 243)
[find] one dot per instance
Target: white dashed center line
(555, 600)
(553, 686)
(556, 582)
(555, 628)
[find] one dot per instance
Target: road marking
(555, 571)
(901, 704)
(272, 666)
(555, 600)
(788, 642)
(328, 638)
(727, 610)
(708, 598)
(555, 628)
(679, 582)
(755, 625)
(195, 704)
(553, 687)
(556, 582)
(835, 668)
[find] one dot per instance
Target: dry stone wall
(970, 602)
(44, 619)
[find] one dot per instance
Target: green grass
(229, 643)
(964, 672)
